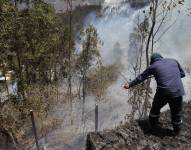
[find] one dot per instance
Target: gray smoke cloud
(114, 28)
(176, 42)
(118, 22)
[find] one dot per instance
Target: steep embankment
(135, 136)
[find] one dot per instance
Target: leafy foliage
(30, 44)
(32, 35)
(101, 79)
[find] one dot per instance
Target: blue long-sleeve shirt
(167, 73)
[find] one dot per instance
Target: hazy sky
(177, 42)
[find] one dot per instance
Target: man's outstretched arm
(143, 76)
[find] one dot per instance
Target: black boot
(177, 130)
(154, 122)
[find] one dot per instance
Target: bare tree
(158, 20)
(87, 58)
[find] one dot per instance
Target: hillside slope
(135, 136)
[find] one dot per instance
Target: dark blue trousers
(175, 104)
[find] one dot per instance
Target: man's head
(155, 57)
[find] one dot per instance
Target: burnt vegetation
(39, 56)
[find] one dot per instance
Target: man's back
(168, 73)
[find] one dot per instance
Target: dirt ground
(137, 136)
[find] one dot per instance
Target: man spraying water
(168, 74)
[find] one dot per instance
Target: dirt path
(135, 136)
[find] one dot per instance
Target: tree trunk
(150, 39)
(69, 10)
(154, 6)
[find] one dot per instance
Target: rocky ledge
(136, 136)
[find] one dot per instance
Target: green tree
(87, 57)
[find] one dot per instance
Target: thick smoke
(176, 42)
(114, 28)
(118, 22)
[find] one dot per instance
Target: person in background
(167, 73)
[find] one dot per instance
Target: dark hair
(155, 56)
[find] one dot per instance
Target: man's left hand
(126, 86)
